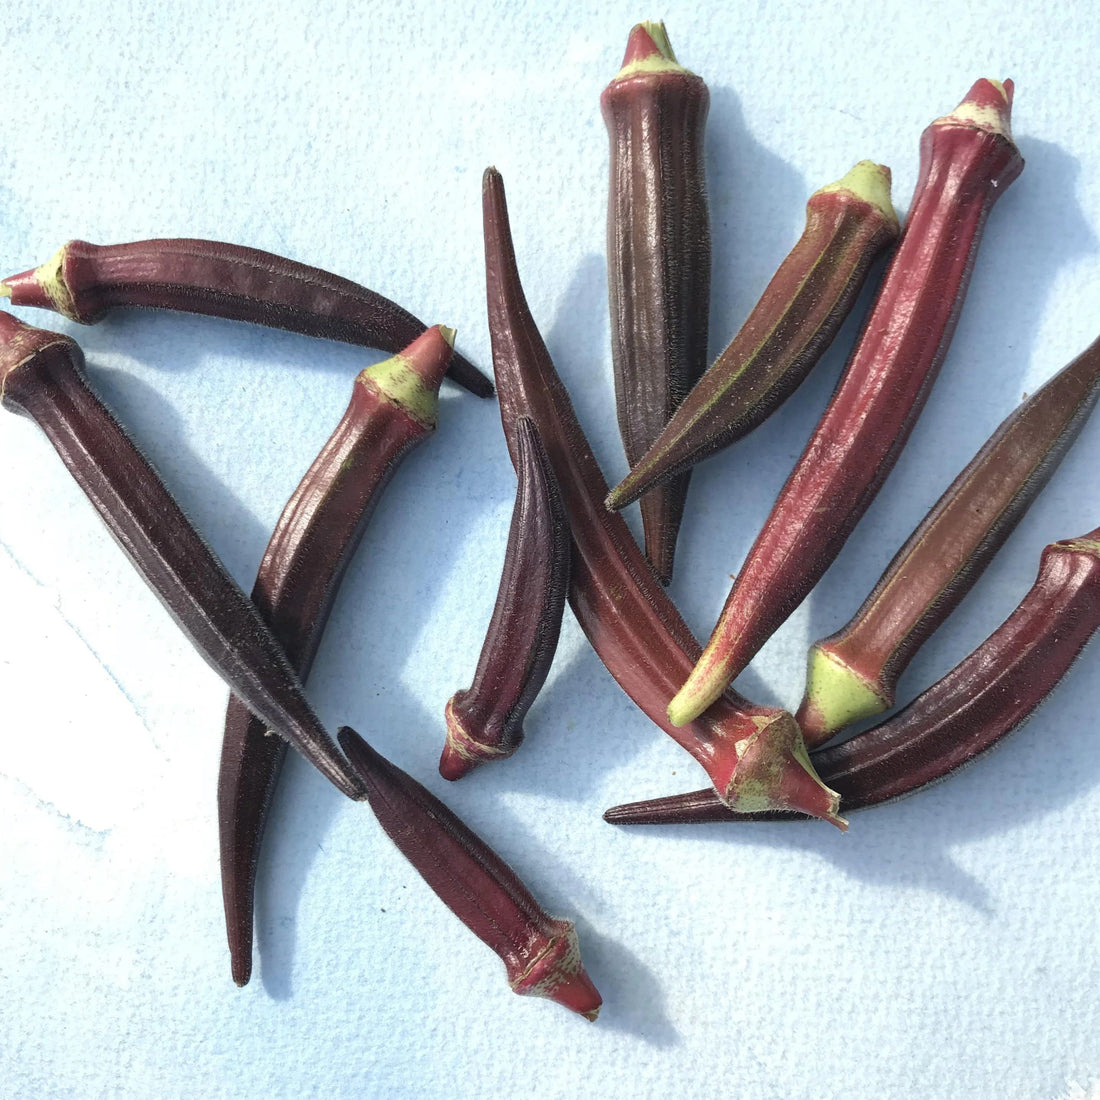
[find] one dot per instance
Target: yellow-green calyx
(51, 278)
(403, 386)
(869, 182)
(642, 60)
(986, 112)
(1086, 546)
(837, 693)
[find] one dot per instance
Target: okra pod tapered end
(988, 106)
(836, 696)
(44, 287)
(559, 975)
(466, 748)
(869, 182)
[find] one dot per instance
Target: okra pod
(968, 159)
(854, 673)
(393, 407)
(540, 952)
(485, 722)
(85, 281)
(42, 377)
(754, 755)
(848, 224)
(658, 258)
(983, 698)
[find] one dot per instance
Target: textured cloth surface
(946, 946)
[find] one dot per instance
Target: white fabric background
(947, 946)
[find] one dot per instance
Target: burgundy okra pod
(485, 722)
(393, 407)
(853, 674)
(658, 258)
(42, 377)
(540, 952)
(753, 754)
(968, 159)
(977, 703)
(848, 224)
(84, 281)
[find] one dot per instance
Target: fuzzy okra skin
(540, 952)
(84, 281)
(968, 159)
(393, 408)
(42, 377)
(853, 674)
(848, 224)
(754, 755)
(485, 722)
(658, 258)
(977, 703)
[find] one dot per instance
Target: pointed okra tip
(868, 182)
(558, 974)
(648, 50)
(988, 106)
(411, 378)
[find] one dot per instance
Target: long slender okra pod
(393, 407)
(84, 281)
(540, 952)
(42, 376)
(658, 258)
(485, 722)
(853, 673)
(967, 160)
(754, 755)
(848, 223)
(978, 702)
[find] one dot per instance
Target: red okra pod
(658, 258)
(853, 674)
(485, 722)
(84, 281)
(978, 702)
(393, 407)
(540, 952)
(848, 224)
(967, 160)
(754, 755)
(42, 377)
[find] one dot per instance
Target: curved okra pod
(978, 702)
(753, 754)
(540, 952)
(485, 722)
(853, 674)
(393, 407)
(848, 224)
(42, 376)
(84, 281)
(658, 258)
(967, 160)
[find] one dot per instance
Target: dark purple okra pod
(393, 407)
(84, 281)
(42, 377)
(853, 674)
(848, 224)
(540, 952)
(658, 258)
(485, 722)
(978, 702)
